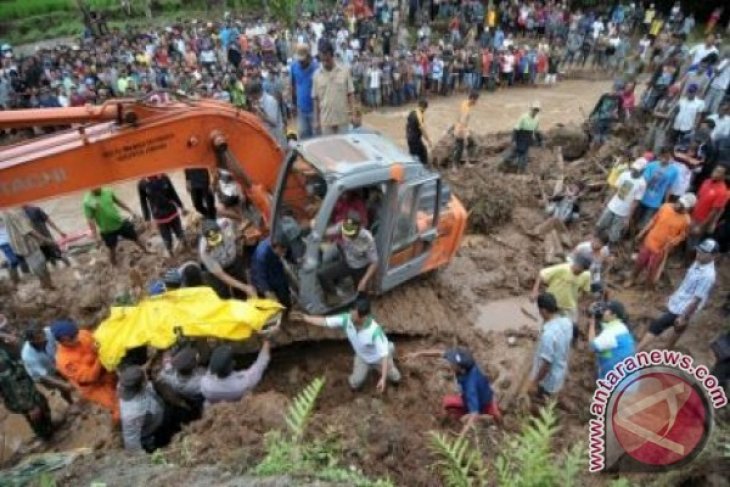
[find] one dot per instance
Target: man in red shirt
(712, 197)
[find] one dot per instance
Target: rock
(91, 299)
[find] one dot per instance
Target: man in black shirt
(198, 184)
(161, 204)
(416, 132)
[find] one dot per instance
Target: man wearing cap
(39, 359)
(358, 259)
(477, 397)
(687, 114)
(78, 361)
(218, 252)
(630, 188)
(142, 412)
(615, 342)
(334, 94)
(372, 348)
(552, 352)
(689, 298)
(523, 135)
(302, 76)
(565, 283)
(667, 229)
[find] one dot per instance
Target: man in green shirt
(105, 221)
(523, 136)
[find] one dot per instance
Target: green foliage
(284, 10)
(47, 480)
(527, 459)
(301, 409)
(622, 482)
(288, 454)
(460, 464)
(158, 458)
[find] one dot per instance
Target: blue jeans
(305, 122)
(10, 255)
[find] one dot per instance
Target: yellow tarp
(198, 311)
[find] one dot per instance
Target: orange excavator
(416, 221)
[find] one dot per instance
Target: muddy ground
(475, 301)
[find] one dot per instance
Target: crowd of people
(671, 199)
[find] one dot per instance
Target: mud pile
(572, 138)
(230, 433)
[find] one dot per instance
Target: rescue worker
(218, 252)
(20, 396)
(416, 132)
(268, 275)
(462, 133)
(477, 397)
(222, 384)
(524, 134)
(182, 376)
(142, 412)
(105, 221)
(26, 242)
(161, 204)
(39, 358)
(359, 256)
(78, 361)
(372, 348)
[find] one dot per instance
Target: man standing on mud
(462, 133)
(523, 136)
(416, 132)
(550, 364)
(565, 283)
(689, 298)
(372, 348)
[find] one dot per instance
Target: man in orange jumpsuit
(78, 361)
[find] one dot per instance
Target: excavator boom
(127, 139)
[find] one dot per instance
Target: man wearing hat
(689, 298)
(630, 188)
(302, 76)
(78, 361)
(667, 229)
(477, 397)
(523, 135)
(615, 342)
(218, 252)
(358, 259)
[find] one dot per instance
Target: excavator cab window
(304, 190)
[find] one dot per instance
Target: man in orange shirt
(78, 361)
(667, 229)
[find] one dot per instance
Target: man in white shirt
(630, 188)
(701, 51)
(688, 112)
(722, 122)
(369, 342)
(689, 298)
(718, 86)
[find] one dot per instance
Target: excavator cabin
(416, 222)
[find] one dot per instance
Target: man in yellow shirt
(567, 282)
(462, 133)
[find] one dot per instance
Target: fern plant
(301, 409)
(460, 464)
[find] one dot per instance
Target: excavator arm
(127, 140)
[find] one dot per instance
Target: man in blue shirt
(267, 271)
(660, 176)
(477, 397)
(302, 75)
(615, 342)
